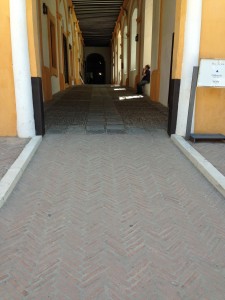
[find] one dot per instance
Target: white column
(190, 59)
(21, 69)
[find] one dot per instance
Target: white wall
(133, 43)
(119, 58)
(63, 13)
(155, 34)
(52, 8)
(44, 21)
(132, 78)
(146, 38)
(106, 53)
(125, 55)
(116, 62)
(192, 36)
(148, 10)
(169, 8)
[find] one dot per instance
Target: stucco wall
(45, 40)
(210, 102)
(106, 53)
(64, 25)
(146, 39)
(155, 55)
(132, 77)
(33, 38)
(52, 8)
(169, 9)
(155, 34)
(7, 93)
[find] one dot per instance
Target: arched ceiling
(97, 20)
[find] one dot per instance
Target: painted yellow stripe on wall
(181, 8)
(155, 75)
(7, 93)
(33, 35)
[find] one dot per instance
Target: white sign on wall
(211, 73)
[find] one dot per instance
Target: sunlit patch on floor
(98, 110)
(114, 85)
(130, 97)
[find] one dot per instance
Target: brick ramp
(112, 217)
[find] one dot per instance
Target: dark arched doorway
(95, 69)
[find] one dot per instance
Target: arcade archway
(95, 69)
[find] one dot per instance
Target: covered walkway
(104, 109)
(110, 209)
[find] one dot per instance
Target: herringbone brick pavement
(10, 149)
(112, 217)
(214, 152)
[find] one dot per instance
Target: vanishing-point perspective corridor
(109, 208)
(112, 132)
(104, 109)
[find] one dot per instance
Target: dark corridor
(105, 109)
(95, 69)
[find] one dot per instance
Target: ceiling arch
(97, 20)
